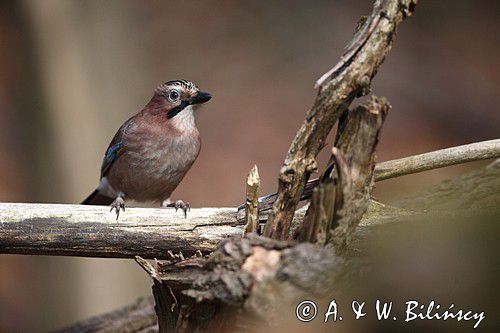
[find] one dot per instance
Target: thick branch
(350, 78)
(92, 231)
(78, 230)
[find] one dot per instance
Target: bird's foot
(178, 204)
(118, 204)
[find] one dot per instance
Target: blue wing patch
(110, 157)
(116, 147)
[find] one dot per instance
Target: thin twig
(437, 159)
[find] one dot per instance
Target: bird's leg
(117, 204)
(178, 204)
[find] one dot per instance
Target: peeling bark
(214, 293)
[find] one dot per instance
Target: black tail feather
(95, 198)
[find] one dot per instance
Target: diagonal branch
(337, 89)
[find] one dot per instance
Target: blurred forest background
(72, 71)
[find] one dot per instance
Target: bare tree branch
(438, 159)
(351, 77)
(77, 230)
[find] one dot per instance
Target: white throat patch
(184, 120)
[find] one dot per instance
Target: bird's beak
(200, 97)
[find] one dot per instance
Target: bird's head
(175, 96)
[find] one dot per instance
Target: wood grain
(76, 230)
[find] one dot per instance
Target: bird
(153, 150)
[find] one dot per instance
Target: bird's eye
(173, 95)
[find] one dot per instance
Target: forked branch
(350, 78)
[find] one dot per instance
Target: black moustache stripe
(175, 111)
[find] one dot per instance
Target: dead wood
(215, 293)
(350, 78)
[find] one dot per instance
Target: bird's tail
(96, 198)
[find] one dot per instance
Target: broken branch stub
(357, 144)
(252, 201)
(342, 195)
(328, 196)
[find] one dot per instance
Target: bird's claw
(118, 204)
(184, 206)
(179, 204)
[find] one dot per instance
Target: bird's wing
(116, 147)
